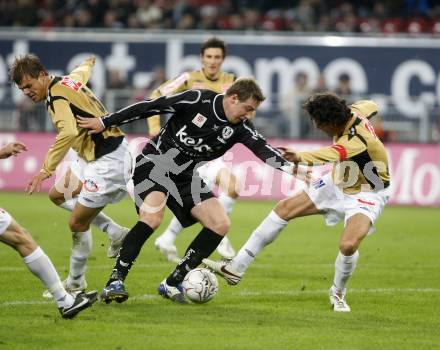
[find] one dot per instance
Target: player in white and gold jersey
(356, 192)
(98, 177)
(209, 77)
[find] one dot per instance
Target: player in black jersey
(203, 126)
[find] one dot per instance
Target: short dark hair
(327, 108)
(213, 43)
(28, 64)
(246, 88)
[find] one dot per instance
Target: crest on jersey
(91, 186)
(227, 132)
(199, 120)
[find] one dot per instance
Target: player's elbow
(69, 134)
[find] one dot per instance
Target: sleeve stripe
(341, 150)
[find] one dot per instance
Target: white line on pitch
(248, 293)
(167, 264)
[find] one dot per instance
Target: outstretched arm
(289, 154)
(170, 87)
(12, 149)
(145, 109)
(83, 71)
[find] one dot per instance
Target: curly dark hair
(214, 43)
(28, 64)
(327, 108)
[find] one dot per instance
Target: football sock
(171, 232)
(263, 235)
(227, 202)
(41, 266)
(201, 247)
(130, 249)
(102, 221)
(69, 204)
(81, 249)
(344, 267)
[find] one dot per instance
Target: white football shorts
(5, 220)
(105, 179)
(338, 206)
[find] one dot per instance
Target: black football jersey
(198, 128)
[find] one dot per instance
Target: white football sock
(344, 267)
(227, 202)
(41, 266)
(107, 225)
(102, 221)
(263, 235)
(81, 249)
(69, 204)
(172, 231)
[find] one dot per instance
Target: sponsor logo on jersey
(206, 101)
(69, 82)
(91, 186)
(197, 145)
(199, 120)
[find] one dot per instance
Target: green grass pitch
(280, 304)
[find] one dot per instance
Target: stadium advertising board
(415, 169)
(396, 67)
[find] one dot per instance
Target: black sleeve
(141, 110)
(252, 139)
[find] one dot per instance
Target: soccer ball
(200, 285)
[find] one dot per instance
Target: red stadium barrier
(415, 169)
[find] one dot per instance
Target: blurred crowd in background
(387, 17)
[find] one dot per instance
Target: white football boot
(225, 248)
(116, 244)
(167, 249)
(70, 287)
(175, 294)
(337, 300)
(225, 270)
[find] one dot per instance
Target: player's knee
(348, 247)
(76, 225)
(56, 197)
(221, 226)
(285, 210)
(153, 221)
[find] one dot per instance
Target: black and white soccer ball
(200, 285)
